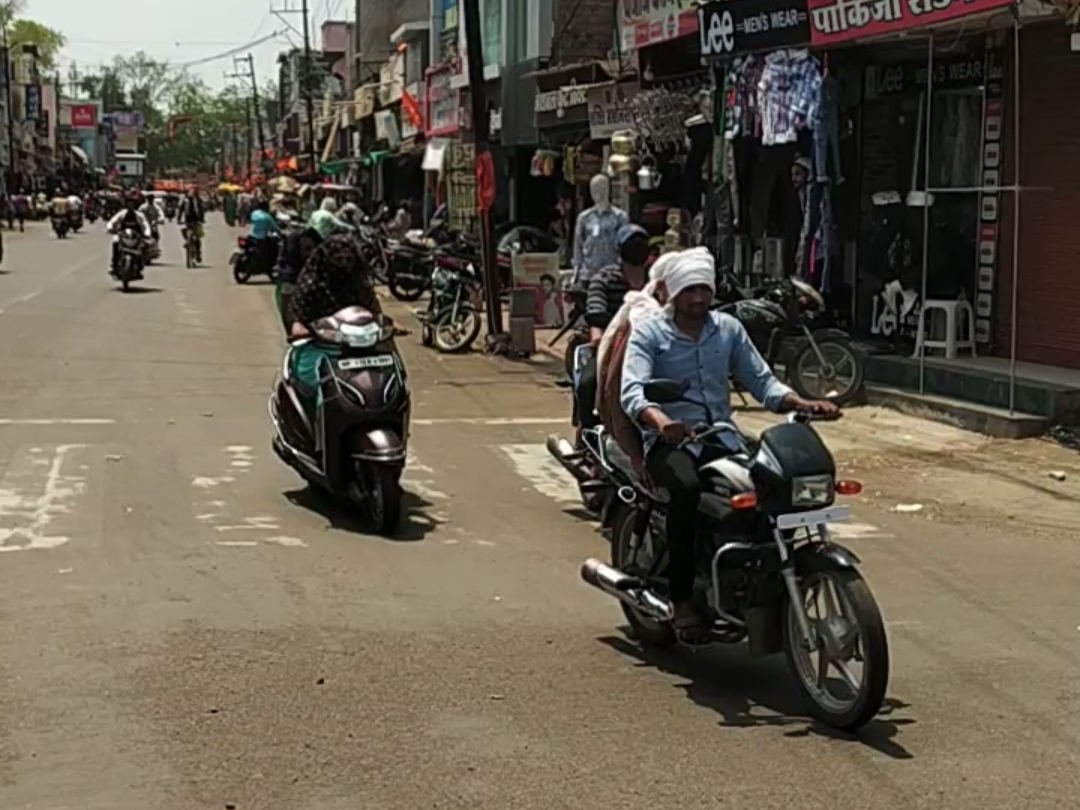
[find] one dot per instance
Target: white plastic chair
(958, 315)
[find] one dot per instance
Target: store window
(904, 206)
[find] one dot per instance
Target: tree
(27, 32)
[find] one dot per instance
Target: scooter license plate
(353, 363)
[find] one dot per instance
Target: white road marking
(206, 482)
(417, 479)
(288, 542)
(57, 421)
(505, 420)
(246, 543)
(36, 511)
(545, 475)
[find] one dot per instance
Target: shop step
(990, 421)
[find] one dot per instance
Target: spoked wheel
(637, 562)
(846, 677)
(837, 375)
(452, 335)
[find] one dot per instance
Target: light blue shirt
(594, 241)
(263, 224)
(657, 350)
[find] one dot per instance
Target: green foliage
(162, 93)
(27, 32)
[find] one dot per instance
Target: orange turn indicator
(744, 500)
(848, 487)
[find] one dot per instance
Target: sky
(180, 31)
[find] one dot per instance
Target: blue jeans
(827, 131)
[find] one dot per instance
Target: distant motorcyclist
(351, 214)
(263, 228)
(130, 217)
(192, 217)
(21, 203)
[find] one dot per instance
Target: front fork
(795, 595)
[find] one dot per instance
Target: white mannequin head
(600, 189)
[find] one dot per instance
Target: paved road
(184, 627)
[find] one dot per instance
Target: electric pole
(481, 129)
(250, 136)
(13, 158)
(306, 87)
(249, 60)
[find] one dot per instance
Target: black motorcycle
(76, 218)
(763, 551)
(819, 363)
(452, 323)
(251, 257)
(61, 225)
(349, 437)
(131, 257)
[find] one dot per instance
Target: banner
(835, 21)
(33, 102)
(746, 26)
(647, 22)
(83, 116)
(609, 111)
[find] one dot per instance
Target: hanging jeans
(817, 220)
(826, 126)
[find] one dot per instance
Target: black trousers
(677, 471)
(585, 396)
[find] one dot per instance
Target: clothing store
(866, 165)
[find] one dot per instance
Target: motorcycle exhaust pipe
(563, 452)
(625, 588)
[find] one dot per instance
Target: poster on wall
(539, 272)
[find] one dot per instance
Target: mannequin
(594, 234)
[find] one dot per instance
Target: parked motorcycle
(818, 363)
(764, 550)
(132, 258)
(249, 258)
(452, 323)
(349, 437)
(61, 225)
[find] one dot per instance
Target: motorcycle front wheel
(839, 378)
(383, 502)
(849, 632)
(453, 335)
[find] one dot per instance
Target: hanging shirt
(788, 94)
(594, 240)
(742, 115)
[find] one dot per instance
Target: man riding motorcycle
(263, 225)
(192, 217)
(131, 216)
(689, 342)
(58, 208)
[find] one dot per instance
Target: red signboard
(833, 21)
(83, 116)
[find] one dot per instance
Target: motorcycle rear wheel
(241, 273)
(407, 294)
(872, 647)
(648, 630)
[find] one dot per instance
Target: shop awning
(80, 154)
(434, 156)
(333, 167)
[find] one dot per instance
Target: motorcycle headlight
(813, 490)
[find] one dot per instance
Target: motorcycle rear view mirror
(664, 392)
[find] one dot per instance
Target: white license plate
(797, 520)
(352, 363)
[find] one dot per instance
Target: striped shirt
(607, 289)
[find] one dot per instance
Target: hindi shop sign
(835, 21)
(609, 111)
(744, 26)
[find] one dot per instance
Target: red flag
(411, 107)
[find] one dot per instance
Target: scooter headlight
(361, 337)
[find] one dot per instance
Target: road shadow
(727, 681)
(416, 522)
(257, 282)
(141, 290)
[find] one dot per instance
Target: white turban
(690, 268)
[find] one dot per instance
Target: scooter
(246, 260)
(349, 437)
